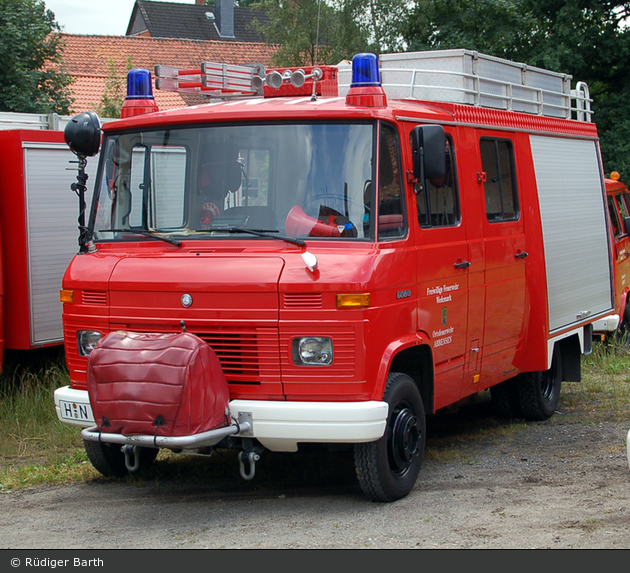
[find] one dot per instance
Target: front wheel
(622, 335)
(109, 459)
(387, 469)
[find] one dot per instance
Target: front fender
(393, 349)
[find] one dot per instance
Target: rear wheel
(109, 459)
(387, 469)
(539, 392)
(505, 401)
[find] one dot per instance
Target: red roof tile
(86, 60)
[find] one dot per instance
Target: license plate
(75, 411)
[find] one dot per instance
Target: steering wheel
(321, 200)
(331, 217)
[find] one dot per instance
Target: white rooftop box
(468, 77)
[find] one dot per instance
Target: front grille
(306, 300)
(247, 356)
(98, 298)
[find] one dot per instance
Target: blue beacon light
(139, 84)
(139, 98)
(366, 89)
(365, 70)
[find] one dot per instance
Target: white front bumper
(279, 426)
(607, 324)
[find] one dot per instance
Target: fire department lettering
(438, 290)
(440, 338)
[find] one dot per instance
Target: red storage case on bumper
(157, 385)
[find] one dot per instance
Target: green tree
(381, 22)
(587, 39)
(114, 93)
(31, 76)
(498, 27)
(309, 32)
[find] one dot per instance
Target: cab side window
(622, 205)
(614, 217)
(437, 200)
(497, 162)
(391, 221)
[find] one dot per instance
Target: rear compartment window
(497, 161)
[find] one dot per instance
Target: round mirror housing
(83, 134)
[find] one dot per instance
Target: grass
(28, 423)
(37, 449)
(604, 393)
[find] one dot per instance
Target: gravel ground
(554, 484)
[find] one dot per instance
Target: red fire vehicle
(38, 221)
(619, 212)
(329, 260)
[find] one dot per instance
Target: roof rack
(465, 76)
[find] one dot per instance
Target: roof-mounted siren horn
(366, 89)
(139, 98)
(274, 79)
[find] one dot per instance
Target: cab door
(443, 263)
(505, 256)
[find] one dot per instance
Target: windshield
(289, 180)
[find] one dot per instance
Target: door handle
(521, 255)
(462, 265)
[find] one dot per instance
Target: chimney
(200, 2)
(224, 12)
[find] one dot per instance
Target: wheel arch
(412, 356)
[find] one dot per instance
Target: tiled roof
(173, 20)
(87, 92)
(86, 60)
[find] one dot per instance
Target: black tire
(622, 334)
(388, 468)
(505, 401)
(109, 459)
(539, 392)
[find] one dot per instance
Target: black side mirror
(429, 156)
(626, 225)
(83, 134)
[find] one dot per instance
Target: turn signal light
(66, 296)
(353, 300)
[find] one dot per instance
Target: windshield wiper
(144, 233)
(267, 235)
(262, 233)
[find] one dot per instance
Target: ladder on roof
(212, 79)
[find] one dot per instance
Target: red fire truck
(38, 221)
(618, 199)
(328, 255)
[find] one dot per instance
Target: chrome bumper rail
(204, 439)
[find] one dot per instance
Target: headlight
(86, 341)
(313, 351)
